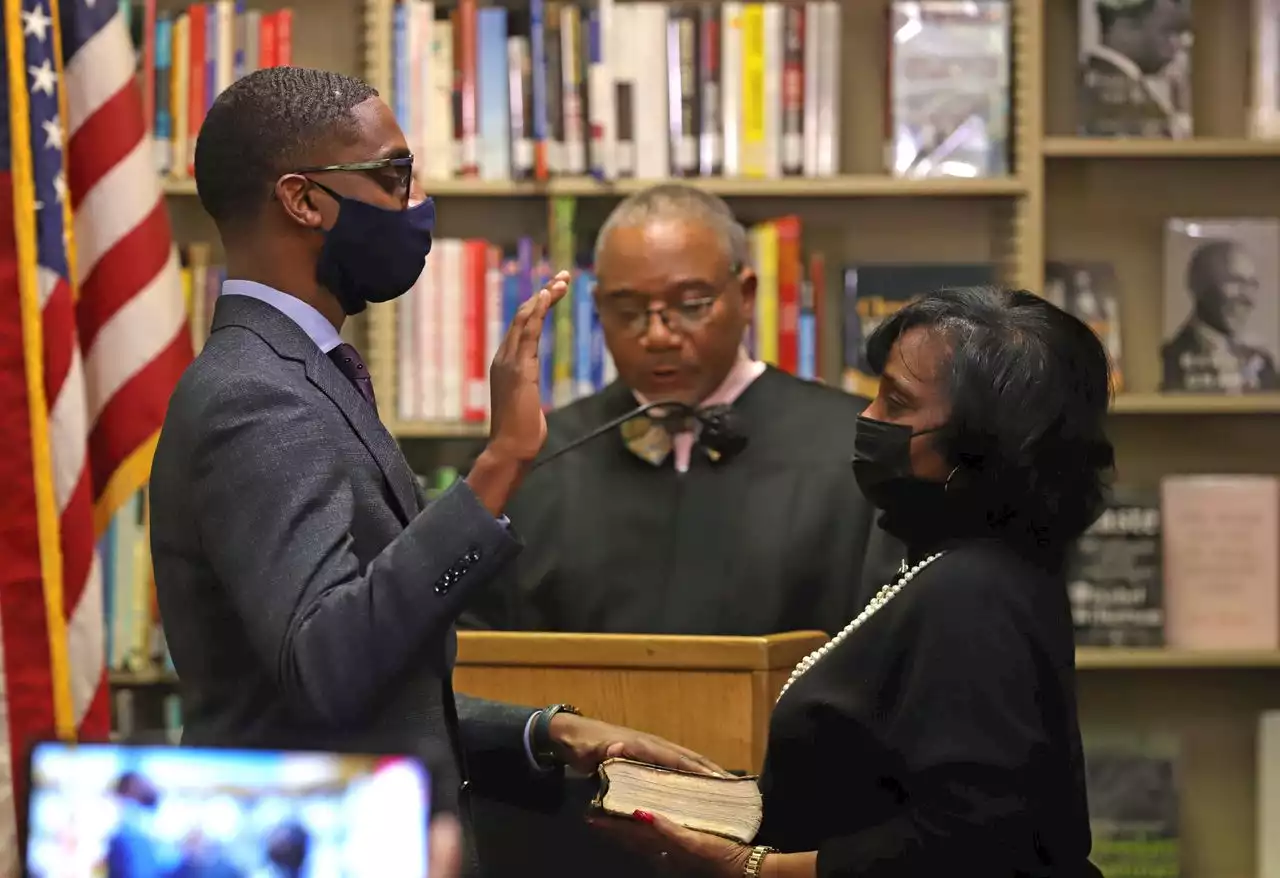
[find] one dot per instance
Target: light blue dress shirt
(309, 320)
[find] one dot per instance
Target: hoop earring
(946, 486)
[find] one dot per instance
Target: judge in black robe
(776, 538)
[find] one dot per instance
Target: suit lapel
(365, 422)
(289, 341)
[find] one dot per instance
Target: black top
(941, 737)
(768, 541)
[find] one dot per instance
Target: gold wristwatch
(756, 861)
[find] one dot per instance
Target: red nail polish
(643, 816)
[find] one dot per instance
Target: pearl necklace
(883, 596)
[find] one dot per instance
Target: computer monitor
(137, 811)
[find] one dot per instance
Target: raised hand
(518, 427)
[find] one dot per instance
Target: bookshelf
(1068, 198)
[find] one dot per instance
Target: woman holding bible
(937, 733)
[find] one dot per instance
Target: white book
(1265, 109)
(418, 22)
(443, 154)
(451, 288)
(494, 328)
(813, 21)
(774, 46)
(649, 42)
(623, 64)
(731, 85)
(252, 39)
(601, 93)
(429, 334)
(225, 63)
(829, 89)
(408, 370)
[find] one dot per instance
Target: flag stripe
(69, 423)
(140, 402)
(137, 332)
(105, 139)
(58, 309)
(96, 68)
(137, 260)
(118, 202)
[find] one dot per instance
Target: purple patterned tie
(347, 358)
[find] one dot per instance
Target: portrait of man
(1218, 347)
(1135, 68)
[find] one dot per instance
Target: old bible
(726, 806)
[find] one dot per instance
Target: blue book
(492, 93)
(584, 309)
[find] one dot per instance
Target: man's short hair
(680, 201)
(265, 125)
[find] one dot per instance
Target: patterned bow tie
(649, 437)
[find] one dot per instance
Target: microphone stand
(680, 407)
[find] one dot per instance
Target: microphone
(721, 432)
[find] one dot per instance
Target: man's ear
(295, 195)
(747, 283)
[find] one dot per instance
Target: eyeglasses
(395, 175)
(632, 319)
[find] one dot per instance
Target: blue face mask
(373, 254)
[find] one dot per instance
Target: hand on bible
(584, 743)
(518, 426)
(677, 848)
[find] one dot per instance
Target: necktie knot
(351, 364)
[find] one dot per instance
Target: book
(1115, 574)
(1134, 69)
(729, 807)
(1135, 794)
(1221, 305)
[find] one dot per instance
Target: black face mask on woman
(373, 254)
(913, 507)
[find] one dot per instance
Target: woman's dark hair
(1029, 387)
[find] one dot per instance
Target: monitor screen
(123, 811)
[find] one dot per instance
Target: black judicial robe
(779, 538)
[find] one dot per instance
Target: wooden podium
(710, 694)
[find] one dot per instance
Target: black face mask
(911, 505)
(373, 254)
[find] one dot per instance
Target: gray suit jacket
(308, 593)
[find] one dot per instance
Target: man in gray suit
(308, 593)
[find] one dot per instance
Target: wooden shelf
(436, 430)
(186, 186)
(1195, 404)
(850, 186)
(142, 679)
(1133, 148)
(1155, 658)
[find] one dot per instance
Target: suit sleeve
(499, 764)
(274, 503)
(967, 721)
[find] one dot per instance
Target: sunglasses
(395, 175)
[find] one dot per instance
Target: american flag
(93, 337)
